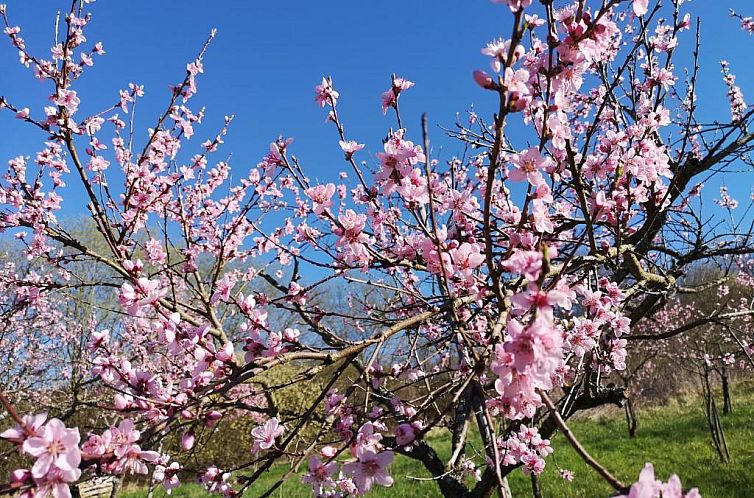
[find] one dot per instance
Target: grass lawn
(675, 438)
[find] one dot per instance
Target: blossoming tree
(494, 292)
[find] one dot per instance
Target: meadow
(674, 437)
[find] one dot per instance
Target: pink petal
(641, 7)
(35, 446)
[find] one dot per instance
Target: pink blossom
(390, 97)
(328, 451)
(321, 196)
(134, 461)
(167, 475)
(320, 475)
(98, 339)
(641, 7)
(738, 106)
(405, 434)
(57, 446)
(98, 164)
(33, 425)
(467, 256)
(566, 474)
(223, 288)
(726, 201)
(527, 263)
(528, 166)
(369, 469)
(544, 301)
(515, 5)
(67, 99)
(264, 436)
(368, 438)
(20, 478)
(649, 487)
(350, 147)
(499, 50)
(144, 293)
(188, 439)
(324, 93)
(123, 436)
(56, 483)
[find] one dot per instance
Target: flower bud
(19, 477)
(212, 417)
(405, 434)
(187, 440)
(484, 80)
(328, 451)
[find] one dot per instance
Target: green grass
(675, 438)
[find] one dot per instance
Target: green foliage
(675, 438)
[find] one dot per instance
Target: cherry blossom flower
(56, 483)
(390, 97)
(57, 446)
(320, 475)
(321, 196)
(325, 94)
(264, 436)
(515, 5)
(528, 166)
(369, 469)
(499, 50)
(640, 7)
(350, 147)
(566, 474)
(738, 106)
(67, 99)
(135, 299)
(649, 487)
(32, 426)
(167, 475)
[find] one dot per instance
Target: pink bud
(483, 79)
(212, 417)
(328, 451)
(19, 477)
(405, 434)
(133, 266)
(188, 440)
(121, 403)
(291, 335)
(226, 352)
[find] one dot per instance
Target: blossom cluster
(59, 457)
(481, 281)
(649, 487)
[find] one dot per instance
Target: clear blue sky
(268, 56)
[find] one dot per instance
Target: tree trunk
(727, 405)
(713, 420)
(535, 491)
(631, 420)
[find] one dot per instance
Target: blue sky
(268, 56)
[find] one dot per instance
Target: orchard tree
(493, 292)
(705, 333)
